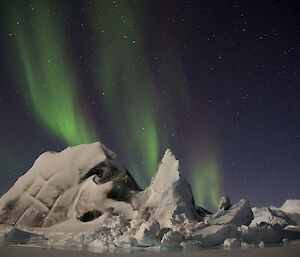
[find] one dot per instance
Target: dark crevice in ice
(90, 215)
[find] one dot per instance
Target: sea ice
(84, 197)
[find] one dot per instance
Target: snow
(147, 234)
(270, 215)
(292, 209)
(168, 194)
(37, 191)
(225, 203)
(266, 233)
(238, 214)
(55, 190)
(216, 234)
(232, 243)
(291, 206)
(84, 197)
(172, 239)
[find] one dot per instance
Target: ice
(4, 230)
(79, 183)
(225, 203)
(84, 197)
(238, 214)
(216, 234)
(232, 243)
(172, 239)
(168, 194)
(265, 233)
(24, 237)
(291, 206)
(271, 216)
(292, 209)
(147, 234)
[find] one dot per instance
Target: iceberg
(85, 197)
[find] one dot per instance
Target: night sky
(218, 82)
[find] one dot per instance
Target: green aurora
(206, 183)
(125, 79)
(51, 83)
(116, 30)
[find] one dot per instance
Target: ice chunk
(216, 234)
(291, 206)
(168, 195)
(80, 182)
(238, 214)
(293, 228)
(192, 244)
(263, 233)
(24, 237)
(271, 216)
(232, 243)
(4, 230)
(172, 239)
(147, 234)
(225, 203)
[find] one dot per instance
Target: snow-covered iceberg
(84, 197)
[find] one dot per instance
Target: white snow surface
(270, 215)
(168, 194)
(239, 214)
(55, 176)
(162, 215)
(291, 206)
(67, 166)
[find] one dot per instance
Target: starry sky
(218, 82)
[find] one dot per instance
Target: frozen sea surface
(292, 250)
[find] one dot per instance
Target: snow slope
(57, 188)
